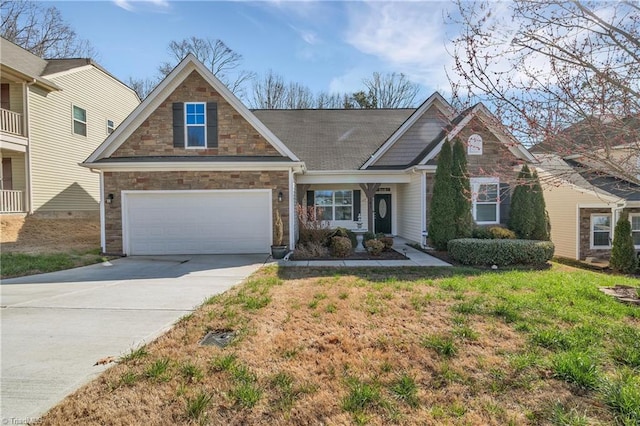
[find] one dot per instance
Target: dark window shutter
(212, 125)
(311, 199)
(505, 203)
(178, 124)
(356, 204)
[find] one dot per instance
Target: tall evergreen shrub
(623, 254)
(442, 226)
(522, 219)
(541, 225)
(461, 191)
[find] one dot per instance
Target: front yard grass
(385, 346)
(20, 264)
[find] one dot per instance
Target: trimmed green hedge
(471, 251)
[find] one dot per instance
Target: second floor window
(79, 121)
(195, 124)
(110, 126)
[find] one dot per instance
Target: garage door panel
(181, 222)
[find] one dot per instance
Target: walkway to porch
(416, 258)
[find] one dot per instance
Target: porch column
(370, 190)
(301, 192)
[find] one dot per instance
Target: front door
(382, 207)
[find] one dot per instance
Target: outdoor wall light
(109, 199)
(280, 196)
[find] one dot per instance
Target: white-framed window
(195, 119)
(634, 218)
(333, 205)
(79, 116)
(111, 126)
(485, 193)
(474, 145)
(601, 230)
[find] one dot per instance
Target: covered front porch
(390, 202)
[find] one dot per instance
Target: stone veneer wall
(154, 137)
(585, 233)
(114, 182)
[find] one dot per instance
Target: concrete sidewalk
(56, 326)
(415, 258)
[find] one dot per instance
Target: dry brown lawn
(36, 236)
(323, 347)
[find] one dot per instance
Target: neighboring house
(54, 114)
(192, 170)
(584, 205)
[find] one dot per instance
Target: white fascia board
(163, 90)
(354, 176)
(442, 105)
(194, 166)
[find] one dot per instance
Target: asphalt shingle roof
(328, 139)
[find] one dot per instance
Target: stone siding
(154, 137)
(585, 233)
(115, 182)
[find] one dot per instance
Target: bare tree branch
(41, 30)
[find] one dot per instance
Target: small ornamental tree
(522, 219)
(442, 226)
(623, 254)
(461, 191)
(541, 225)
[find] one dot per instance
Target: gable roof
(488, 119)
(434, 100)
(587, 135)
(23, 64)
(188, 65)
(585, 178)
(327, 139)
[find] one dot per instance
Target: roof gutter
(195, 166)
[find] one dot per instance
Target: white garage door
(197, 222)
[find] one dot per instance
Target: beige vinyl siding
(409, 209)
(562, 203)
(415, 139)
(18, 176)
(16, 99)
(59, 183)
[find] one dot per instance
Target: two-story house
(54, 113)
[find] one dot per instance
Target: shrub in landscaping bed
(375, 247)
(343, 232)
(340, 246)
(493, 232)
(471, 251)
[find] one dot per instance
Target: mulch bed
(385, 255)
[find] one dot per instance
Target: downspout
(423, 208)
(291, 210)
(103, 238)
(27, 129)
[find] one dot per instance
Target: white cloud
(349, 81)
(409, 37)
(130, 6)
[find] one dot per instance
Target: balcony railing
(11, 122)
(11, 201)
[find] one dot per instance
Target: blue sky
(326, 45)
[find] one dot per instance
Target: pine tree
(461, 191)
(541, 226)
(623, 254)
(442, 227)
(522, 219)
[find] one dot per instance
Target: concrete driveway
(56, 326)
